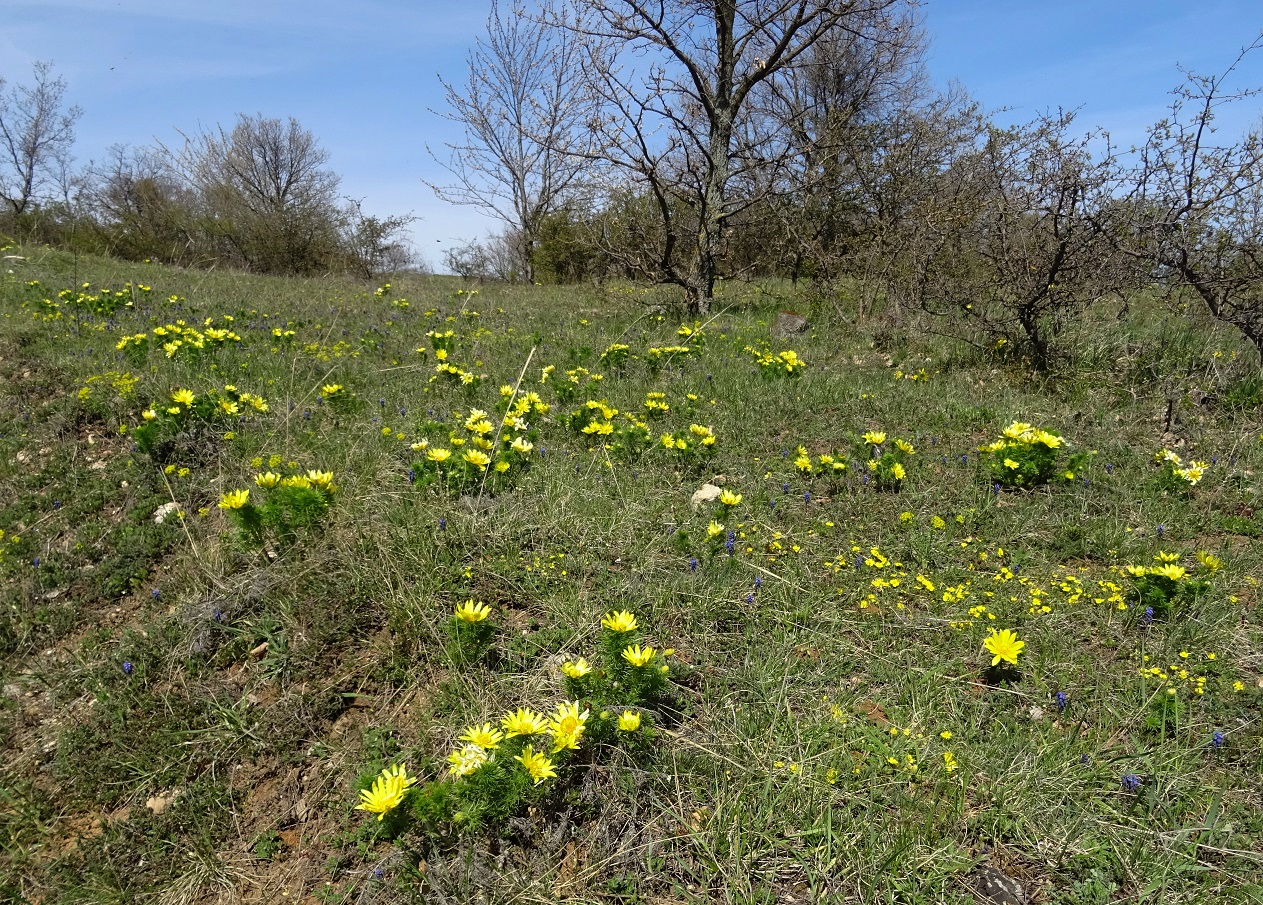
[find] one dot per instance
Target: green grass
(191, 713)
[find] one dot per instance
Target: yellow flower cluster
(785, 363)
(565, 727)
(1191, 473)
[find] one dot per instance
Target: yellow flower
(567, 725)
(502, 466)
(149, 414)
(621, 621)
(483, 736)
(877, 438)
(714, 530)
(1173, 572)
(898, 471)
(1009, 463)
(1209, 561)
(472, 612)
(524, 722)
(438, 454)
(905, 446)
(522, 445)
(234, 499)
(1163, 556)
(536, 764)
(330, 389)
(467, 759)
(577, 669)
(184, 397)
(477, 458)
(1193, 473)
(728, 498)
(1004, 645)
(629, 721)
(638, 656)
(387, 791)
(321, 479)
(1018, 430)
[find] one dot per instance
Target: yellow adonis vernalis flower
(728, 498)
(484, 736)
(714, 530)
(898, 471)
(267, 479)
(576, 669)
(567, 725)
(321, 479)
(149, 414)
(906, 446)
(621, 621)
(467, 759)
(387, 791)
(1018, 430)
(524, 722)
(234, 499)
(184, 397)
(1003, 645)
(629, 721)
(522, 445)
(330, 389)
(537, 764)
(439, 454)
(1209, 561)
(877, 438)
(637, 655)
(1170, 570)
(472, 612)
(477, 458)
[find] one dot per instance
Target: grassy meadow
(461, 497)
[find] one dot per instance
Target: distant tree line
(698, 142)
(259, 196)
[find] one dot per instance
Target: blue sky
(362, 74)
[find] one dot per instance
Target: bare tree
(373, 245)
(36, 137)
(141, 208)
(679, 83)
(1196, 204)
(1009, 239)
(522, 108)
(848, 109)
(267, 195)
